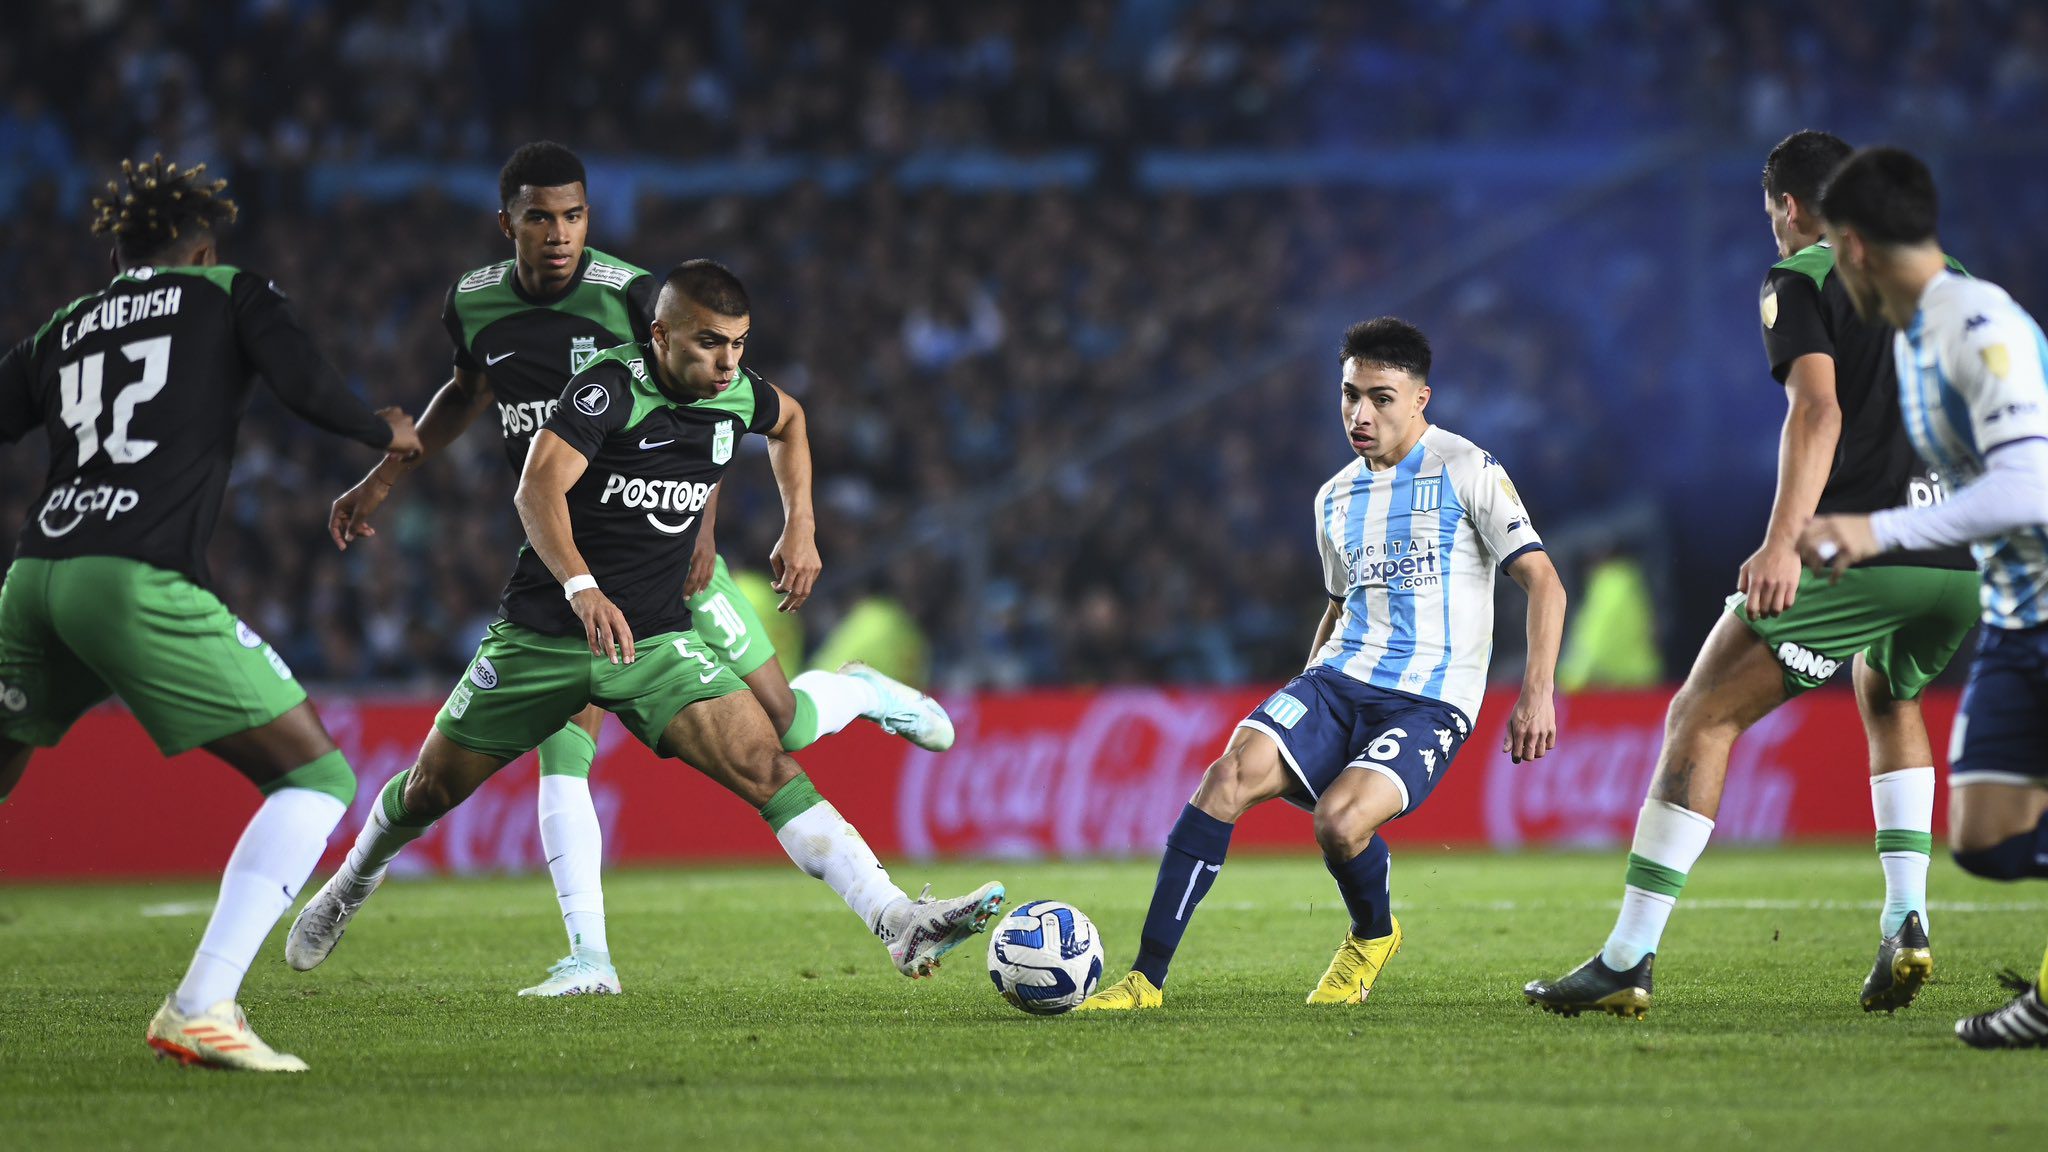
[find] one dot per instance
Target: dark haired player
(1895, 620)
(1411, 534)
(140, 388)
(521, 328)
(611, 496)
(1973, 383)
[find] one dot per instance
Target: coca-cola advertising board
(1042, 774)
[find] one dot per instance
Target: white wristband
(575, 584)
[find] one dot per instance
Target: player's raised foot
(1128, 994)
(219, 1037)
(1355, 966)
(2021, 1023)
(1594, 987)
(319, 925)
(1904, 962)
(904, 710)
(920, 932)
(578, 975)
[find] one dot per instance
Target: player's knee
(765, 774)
(431, 794)
(1228, 788)
(330, 774)
(2011, 859)
(1343, 832)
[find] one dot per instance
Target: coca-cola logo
(495, 830)
(1590, 788)
(1109, 782)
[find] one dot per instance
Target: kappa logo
(582, 350)
(246, 636)
(483, 673)
(592, 399)
(1285, 710)
(721, 442)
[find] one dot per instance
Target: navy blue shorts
(1325, 722)
(2001, 732)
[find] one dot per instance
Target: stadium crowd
(952, 342)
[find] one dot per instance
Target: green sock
(793, 800)
(392, 801)
(569, 752)
(803, 726)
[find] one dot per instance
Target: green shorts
(1906, 621)
(73, 632)
(725, 618)
(523, 686)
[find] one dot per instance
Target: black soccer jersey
(529, 346)
(654, 462)
(1807, 311)
(141, 388)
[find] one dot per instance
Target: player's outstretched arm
(552, 468)
(283, 353)
(453, 409)
(1806, 454)
(1532, 728)
(795, 558)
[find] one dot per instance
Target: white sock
(574, 842)
(826, 847)
(1669, 840)
(270, 864)
(376, 846)
(840, 700)
(1903, 802)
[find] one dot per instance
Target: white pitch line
(180, 908)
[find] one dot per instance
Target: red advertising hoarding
(1038, 774)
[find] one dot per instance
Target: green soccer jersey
(655, 460)
(529, 346)
(139, 390)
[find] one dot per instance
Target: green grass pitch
(757, 1014)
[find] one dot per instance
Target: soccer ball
(1045, 957)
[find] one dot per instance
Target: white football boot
(577, 976)
(904, 710)
(219, 1037)
(919, 932)
(319, 925)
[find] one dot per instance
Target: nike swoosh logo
(489, 360)
(707, 677)
(646, 445)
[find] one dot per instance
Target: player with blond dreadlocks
(139, 389)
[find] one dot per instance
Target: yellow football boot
(1133, 991)
(1355, 966)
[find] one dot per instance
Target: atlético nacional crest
(582, 350)
(721, 442)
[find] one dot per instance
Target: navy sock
(1363, 881)
(2020, 857)
(1194, 854)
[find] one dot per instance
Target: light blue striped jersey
(1971, 379)
(1411, 552)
